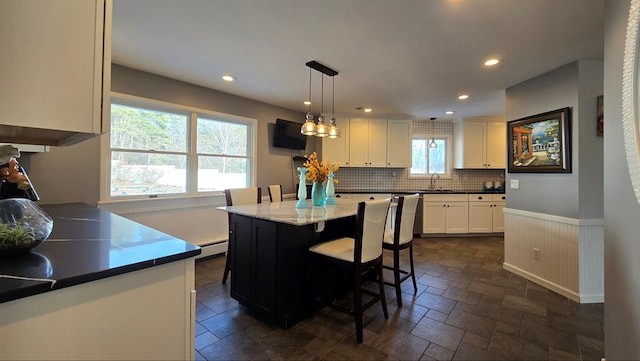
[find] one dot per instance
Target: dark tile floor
(466, 308)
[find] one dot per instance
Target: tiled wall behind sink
(396, 179)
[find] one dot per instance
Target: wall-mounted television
(287, 135)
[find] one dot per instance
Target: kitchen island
(101, 287)
(269, 243)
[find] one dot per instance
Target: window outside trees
(426, 161)
(151, 150)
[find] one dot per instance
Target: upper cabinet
(337, 149)
(480, 144)
(55, 67)
(399, 143)
(367, 142)
(371, 143)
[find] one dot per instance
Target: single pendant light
(334, 132)
(309, 127)
(322, 130)
(432, 143)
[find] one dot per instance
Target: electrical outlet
(536, 253)
(515, 183)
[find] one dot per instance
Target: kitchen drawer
(499, 197)
(481, 197)
(369, 196)
(446, 197)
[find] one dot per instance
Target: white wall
(621, 210)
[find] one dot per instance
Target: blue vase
(330, 199)
(317, 194)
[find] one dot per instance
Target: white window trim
(449, 166)
(105, 161)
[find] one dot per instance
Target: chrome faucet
(432, 185)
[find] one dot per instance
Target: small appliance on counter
(497, 186)
(488, 186)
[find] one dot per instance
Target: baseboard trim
(594, 298)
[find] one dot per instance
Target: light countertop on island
(286, 212)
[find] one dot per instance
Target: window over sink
(426, 161)
(159, 149)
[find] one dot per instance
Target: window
(426, 161)
(164, 149)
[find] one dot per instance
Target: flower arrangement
(319, 171)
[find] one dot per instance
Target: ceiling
(404, 59)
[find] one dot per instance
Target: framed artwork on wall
(540, 143)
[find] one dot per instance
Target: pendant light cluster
(321, 129)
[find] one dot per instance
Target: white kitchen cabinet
(480, 144)
(399, 143)
(367, 142)
(496, 145)
(445, 213)
(485, 213)
(498, 212)
(55, 67)
(337, 149)
(104, 319)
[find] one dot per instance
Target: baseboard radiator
(213, 247)
(565, 255)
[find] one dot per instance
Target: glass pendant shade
(309, 127)
(432, 143)
(322, 130)
(334, 132)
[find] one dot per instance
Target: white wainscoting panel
(571, 253)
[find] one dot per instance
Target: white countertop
(286, 212)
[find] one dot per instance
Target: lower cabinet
(249, 237)
(498, 212)
(485, 213)
(445, 213)
(146, 314)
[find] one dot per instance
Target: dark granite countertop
(87, 244)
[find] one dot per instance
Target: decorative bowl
(23, 225)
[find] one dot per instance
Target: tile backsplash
(396, 179)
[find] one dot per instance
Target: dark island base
(270, 265)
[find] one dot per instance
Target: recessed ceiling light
(368, 110)
(463, 96)
(449, 112)
(492, 62)
(307, 102)
(228, 78)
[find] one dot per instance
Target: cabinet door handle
(480, 197)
